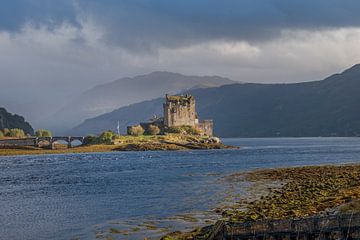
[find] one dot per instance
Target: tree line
(19, 133)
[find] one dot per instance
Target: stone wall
(206, 127)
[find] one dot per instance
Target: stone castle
(179, 110)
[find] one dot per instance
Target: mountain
(320, 108)
(105, 98)
(8, 120)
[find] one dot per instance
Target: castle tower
(179, 111)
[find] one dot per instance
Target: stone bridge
(344, 227)
(36, 141)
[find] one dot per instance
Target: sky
(52, 50)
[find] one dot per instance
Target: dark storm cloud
(15, 13)
(147, 24)
(144, 24)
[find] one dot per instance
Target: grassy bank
(10, 151)
(291, 193)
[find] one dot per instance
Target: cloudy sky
(55, 49)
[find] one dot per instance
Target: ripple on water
(64, 196)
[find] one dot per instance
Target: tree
(43, 133)
(1, 134)
(91, 139)
(136, 130)
(106, 137)
(16, 133)
(6, 132)
(153, 130)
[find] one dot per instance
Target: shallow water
(81, 195)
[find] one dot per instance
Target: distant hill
(105, 98)
(8, 120)
(330, 107)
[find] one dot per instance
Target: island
(178, 129)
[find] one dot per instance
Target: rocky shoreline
(168, 146)
(290, 193)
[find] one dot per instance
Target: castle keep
(179, 110)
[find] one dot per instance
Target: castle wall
(206, 127)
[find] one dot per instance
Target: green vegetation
(90, 140)
(136, 130)
(13, 133)
(16, 133)
(43, 133)
(6, 132)
(106, 137)
(183, 130)
(153, 130)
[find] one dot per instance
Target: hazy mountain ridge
(107, 97)
(321, 108)
(8, 120)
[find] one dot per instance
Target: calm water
(67, 196)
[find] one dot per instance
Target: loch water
(74, 196)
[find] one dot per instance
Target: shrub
(91, 139)
(43, 133)
(106, 137)
(173, 130)
(191, 130)
(153, 130)
(136, 130)
(16, 133)
(184, 130)
(6, 132)
(1, 134)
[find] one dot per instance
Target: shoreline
(288, 193)
(101, 148)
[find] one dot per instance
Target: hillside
(321, 108)
(105, 98)
(8, 120)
